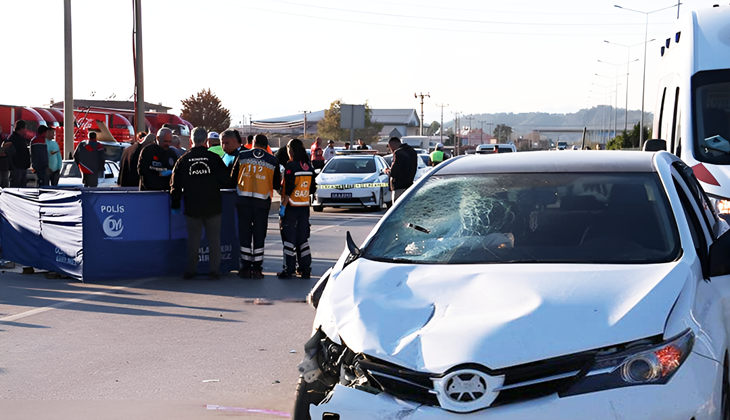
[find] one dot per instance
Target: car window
(551, 217)
(423, 161)
(351, 166)
(388, 160)
(700, 198)
(699, 241)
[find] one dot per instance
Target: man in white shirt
(329, 151)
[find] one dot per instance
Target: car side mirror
(719, 258)
(654, 145)
(317, 171)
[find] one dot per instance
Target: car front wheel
(307, 395)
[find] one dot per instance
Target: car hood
(344, 179)
(431, 318)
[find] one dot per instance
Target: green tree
(205, 110)
(502, 132)
(628, 139)
(329, 127)
(434, 128)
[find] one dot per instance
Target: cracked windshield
(590, 218)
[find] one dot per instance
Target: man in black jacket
(20, 162)
(156, 162)
(198, 177)
(128, 175)
(404, 167)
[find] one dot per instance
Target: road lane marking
(67, 302)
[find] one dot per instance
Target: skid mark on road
(107, 292)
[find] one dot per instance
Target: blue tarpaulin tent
(94, 234)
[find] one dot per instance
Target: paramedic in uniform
(256, 174)
(298, 185)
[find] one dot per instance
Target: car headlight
(646, 366)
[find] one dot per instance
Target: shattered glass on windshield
(530, 218)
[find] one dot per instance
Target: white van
(692, 110)
(485, 149)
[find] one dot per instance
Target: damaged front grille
(524, 382)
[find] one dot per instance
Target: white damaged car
(525, 286)
(351, 181)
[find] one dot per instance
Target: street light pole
(470, 118)
(615, 110)
(643, 82)
(628, 61)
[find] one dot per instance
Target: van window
(711, 116)
(674, 117)
(661, 113)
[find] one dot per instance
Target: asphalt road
(163, 348)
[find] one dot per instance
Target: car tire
(306, 395)
(318, 208)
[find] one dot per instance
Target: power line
(490, 22)
(400, 26)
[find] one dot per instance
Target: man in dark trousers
(404, 167)
(90, 157)
(128, 175)
(256, 175)
(20, 161)
(156, 162)
(39, 155)
(198, 177)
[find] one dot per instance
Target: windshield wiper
(416, 227)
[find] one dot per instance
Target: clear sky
(272, 58)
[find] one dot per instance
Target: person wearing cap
(90, 157)
(156, 162)
(256, 175)
(437, 156)
(214, 144)
(329, 151)
(55, 161)
(39, 155)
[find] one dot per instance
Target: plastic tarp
(95, 234)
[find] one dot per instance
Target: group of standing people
(199, 175)
(16, 157)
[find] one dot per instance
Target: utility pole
(250, 124)
(416, 95)
(457, 137)
(470, 118)
(441, 130)
(481, 132)
(490, 128)
(138, 68)
(68, 103)
(305, 123)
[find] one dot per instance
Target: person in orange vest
(249, 144)
(256, 174)
(298, 185)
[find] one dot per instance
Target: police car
(352, 181)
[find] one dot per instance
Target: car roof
(550, 161)
(354, 156)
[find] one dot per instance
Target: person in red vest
(317, 154)
(90, 157)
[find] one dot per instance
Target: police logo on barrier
(112, 226)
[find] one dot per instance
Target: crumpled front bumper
(694, 392)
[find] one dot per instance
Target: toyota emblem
(467, 390)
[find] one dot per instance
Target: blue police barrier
(95, 234)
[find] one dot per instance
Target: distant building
(125, 105)
(396, 122)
